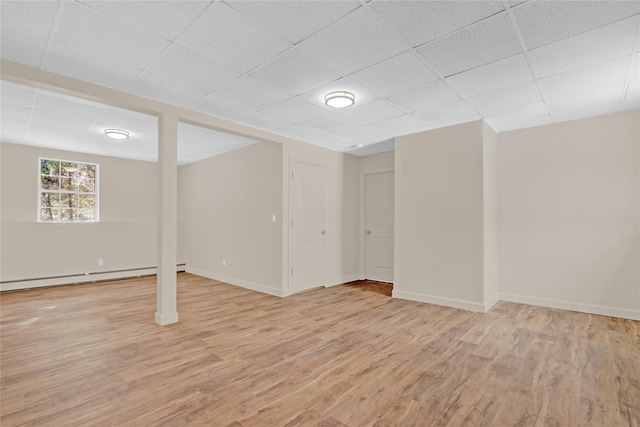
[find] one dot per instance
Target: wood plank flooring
(350, 355)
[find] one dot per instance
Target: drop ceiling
(412, 65)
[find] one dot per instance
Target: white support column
(167, 218)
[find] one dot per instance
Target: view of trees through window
(68, 191)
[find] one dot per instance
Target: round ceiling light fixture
(116, 133)
(340, 99)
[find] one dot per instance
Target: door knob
(368, 232)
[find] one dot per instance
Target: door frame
(362, 218)
(287, 276)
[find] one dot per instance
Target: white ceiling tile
(197, 143)
(130, 121)
(423, 21)
(11, 125)
(575, 102)
(193, 69)
(423, 97)
(21, 46)
(69, 61)
(220, 106)
(296, 110)
(402, 125)
(188, 132)
(330, 141)
(374, 111)
(295, 72)
(92, 32)
(138, 147)
(354, 42)
(588, 48)
(252, 92)
(59, 106)
(294, 20)
(164, 89)
(482, 43)
(507, 98)
(452, 121)
(330, 123)
(45, 138)
(585, 111)
(13, 94)
(12, 135)
(189, 154)
(227, 36)
(543, 22)
(316, 96)
(632, 92)
(149, 138)
(299, 131)
(576, 82)
(454, 112)
(34, 17)
(519, 113)
(395, 74)
(497, 75)
(264, 121)
(634, 63)
(45, 120)
(11, 113)
(630, 103)
(166, 19)
(512, 124)
(363, 134)
(58, 130)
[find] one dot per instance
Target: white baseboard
(520, 299)
(448, 302)
(237, 282)
(343, 280)
(166, 318)
(573, 306)
(80, 278)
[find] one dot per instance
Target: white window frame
(96, 217)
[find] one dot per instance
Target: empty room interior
(320, 213)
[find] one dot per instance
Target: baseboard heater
(79, 278)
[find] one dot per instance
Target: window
(68, 191)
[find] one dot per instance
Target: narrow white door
(308, 213)
(379, 189)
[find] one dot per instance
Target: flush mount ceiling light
(116, 133)
(340, 99)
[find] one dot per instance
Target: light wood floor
(91, 355)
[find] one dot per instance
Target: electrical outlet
(273, 218)
(100, 262)
(224, 262)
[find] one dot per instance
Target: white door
(379, 189)
(308, 213)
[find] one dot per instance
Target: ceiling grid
(526, 55)
(413, 66)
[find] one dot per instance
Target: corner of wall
(489, 302)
